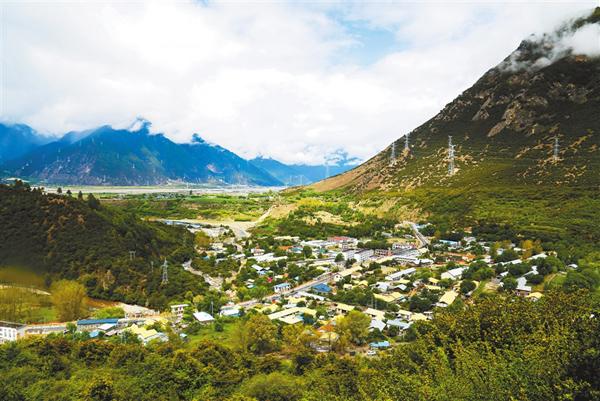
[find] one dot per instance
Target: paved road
(422, 239)
(323, 279)
(215, 283)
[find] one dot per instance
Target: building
(375, 313)
(401, 325)
(177, 310)
(342, 309)
(344, 243)
(453, 274)
(203, 317)
(10, 331)
(94, 324)
(380, 345)
(377, 324)
(146, 335)
(522, 288)
(283, 287)
(321, 288)
(45, 329)
(364, 255)
(447, 299)
(230, 311)
(400, 274)
(292, 315)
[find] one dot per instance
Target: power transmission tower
(406, 147)
(131, 255)
(450, 156)
(165, 274)
(393, 153)
(555, 156)
(152, 266)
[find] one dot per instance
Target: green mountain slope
(64, 237)
(504, 130)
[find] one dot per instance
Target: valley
(460, 262)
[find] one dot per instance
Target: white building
(453, 274)
(10, 331)
(400, 274)
(203, 317)
(283, 287)
(177, 310)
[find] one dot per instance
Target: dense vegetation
(502, 348)
(63, 236)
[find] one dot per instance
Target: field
(215, 207)
(225, 337)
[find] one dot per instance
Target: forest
(501, 348)
(114, 253)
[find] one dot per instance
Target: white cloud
(257, 78)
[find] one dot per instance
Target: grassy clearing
(208, 332)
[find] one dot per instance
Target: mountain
(108, 156)
(66, 237)
(298, 174)
(18, 139)
(526, 143)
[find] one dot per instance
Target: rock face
(106, 156)
(505, 127)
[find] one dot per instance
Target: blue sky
(292, 81)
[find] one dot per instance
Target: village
(383, 286)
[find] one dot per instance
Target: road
(323, 279)
(420, 237)
(214, 283)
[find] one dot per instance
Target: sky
(300, 82)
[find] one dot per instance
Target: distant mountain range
(16, 140)
(134, 156)
(299, 174)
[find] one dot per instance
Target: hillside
(108, 156)
(65, 237)
(504, 132)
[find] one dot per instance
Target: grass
(208, 332)
(203, 207)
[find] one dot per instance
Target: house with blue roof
(322, 288)
(283, 287)
(380, 344)
(94, 324)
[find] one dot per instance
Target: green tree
(93, 203)
(307, 251)
(68, 298)
(257, 335)
(467, 286)
(109, 312)
(509, 283)
(354, 326)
